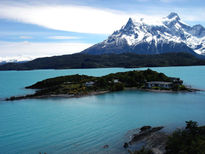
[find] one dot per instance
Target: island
(83, 85)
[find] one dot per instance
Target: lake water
(85, 125)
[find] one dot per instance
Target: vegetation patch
(190, 140)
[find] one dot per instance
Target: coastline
(97, 93)
(164, 91)
(76, 96)
(54, 96)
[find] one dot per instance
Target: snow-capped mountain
(19, 59)
(146, 36)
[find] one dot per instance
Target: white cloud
(197, 17)
(87, 19)
(64, 37)
(67, 18)
(172, 1)
(16, 59)
(83, 19)
(25, 37)
(28, 50)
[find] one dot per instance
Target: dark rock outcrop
(106, 146)
(149, 138)
(126, 145)
(143, 134)
(144, 128)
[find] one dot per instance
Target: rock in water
(106, 146)
(125, 145)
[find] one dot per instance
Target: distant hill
(106, 60)
(153, 36)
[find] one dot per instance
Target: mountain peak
(153, 36)
(173, 15)
(130, 21)
(129, 24)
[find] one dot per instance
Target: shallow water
(85, 125)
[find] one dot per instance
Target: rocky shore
(54, 96)
(150, 138)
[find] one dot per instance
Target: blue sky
(37, 28)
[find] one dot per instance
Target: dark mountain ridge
(107, 60)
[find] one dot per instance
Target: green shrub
(182, 87)
(190, 140)
(117, 87)
(156, 88)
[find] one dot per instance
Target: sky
(37, 28)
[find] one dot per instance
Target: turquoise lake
(85, 125)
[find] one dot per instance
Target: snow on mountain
(19, 59)
(153, 36)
